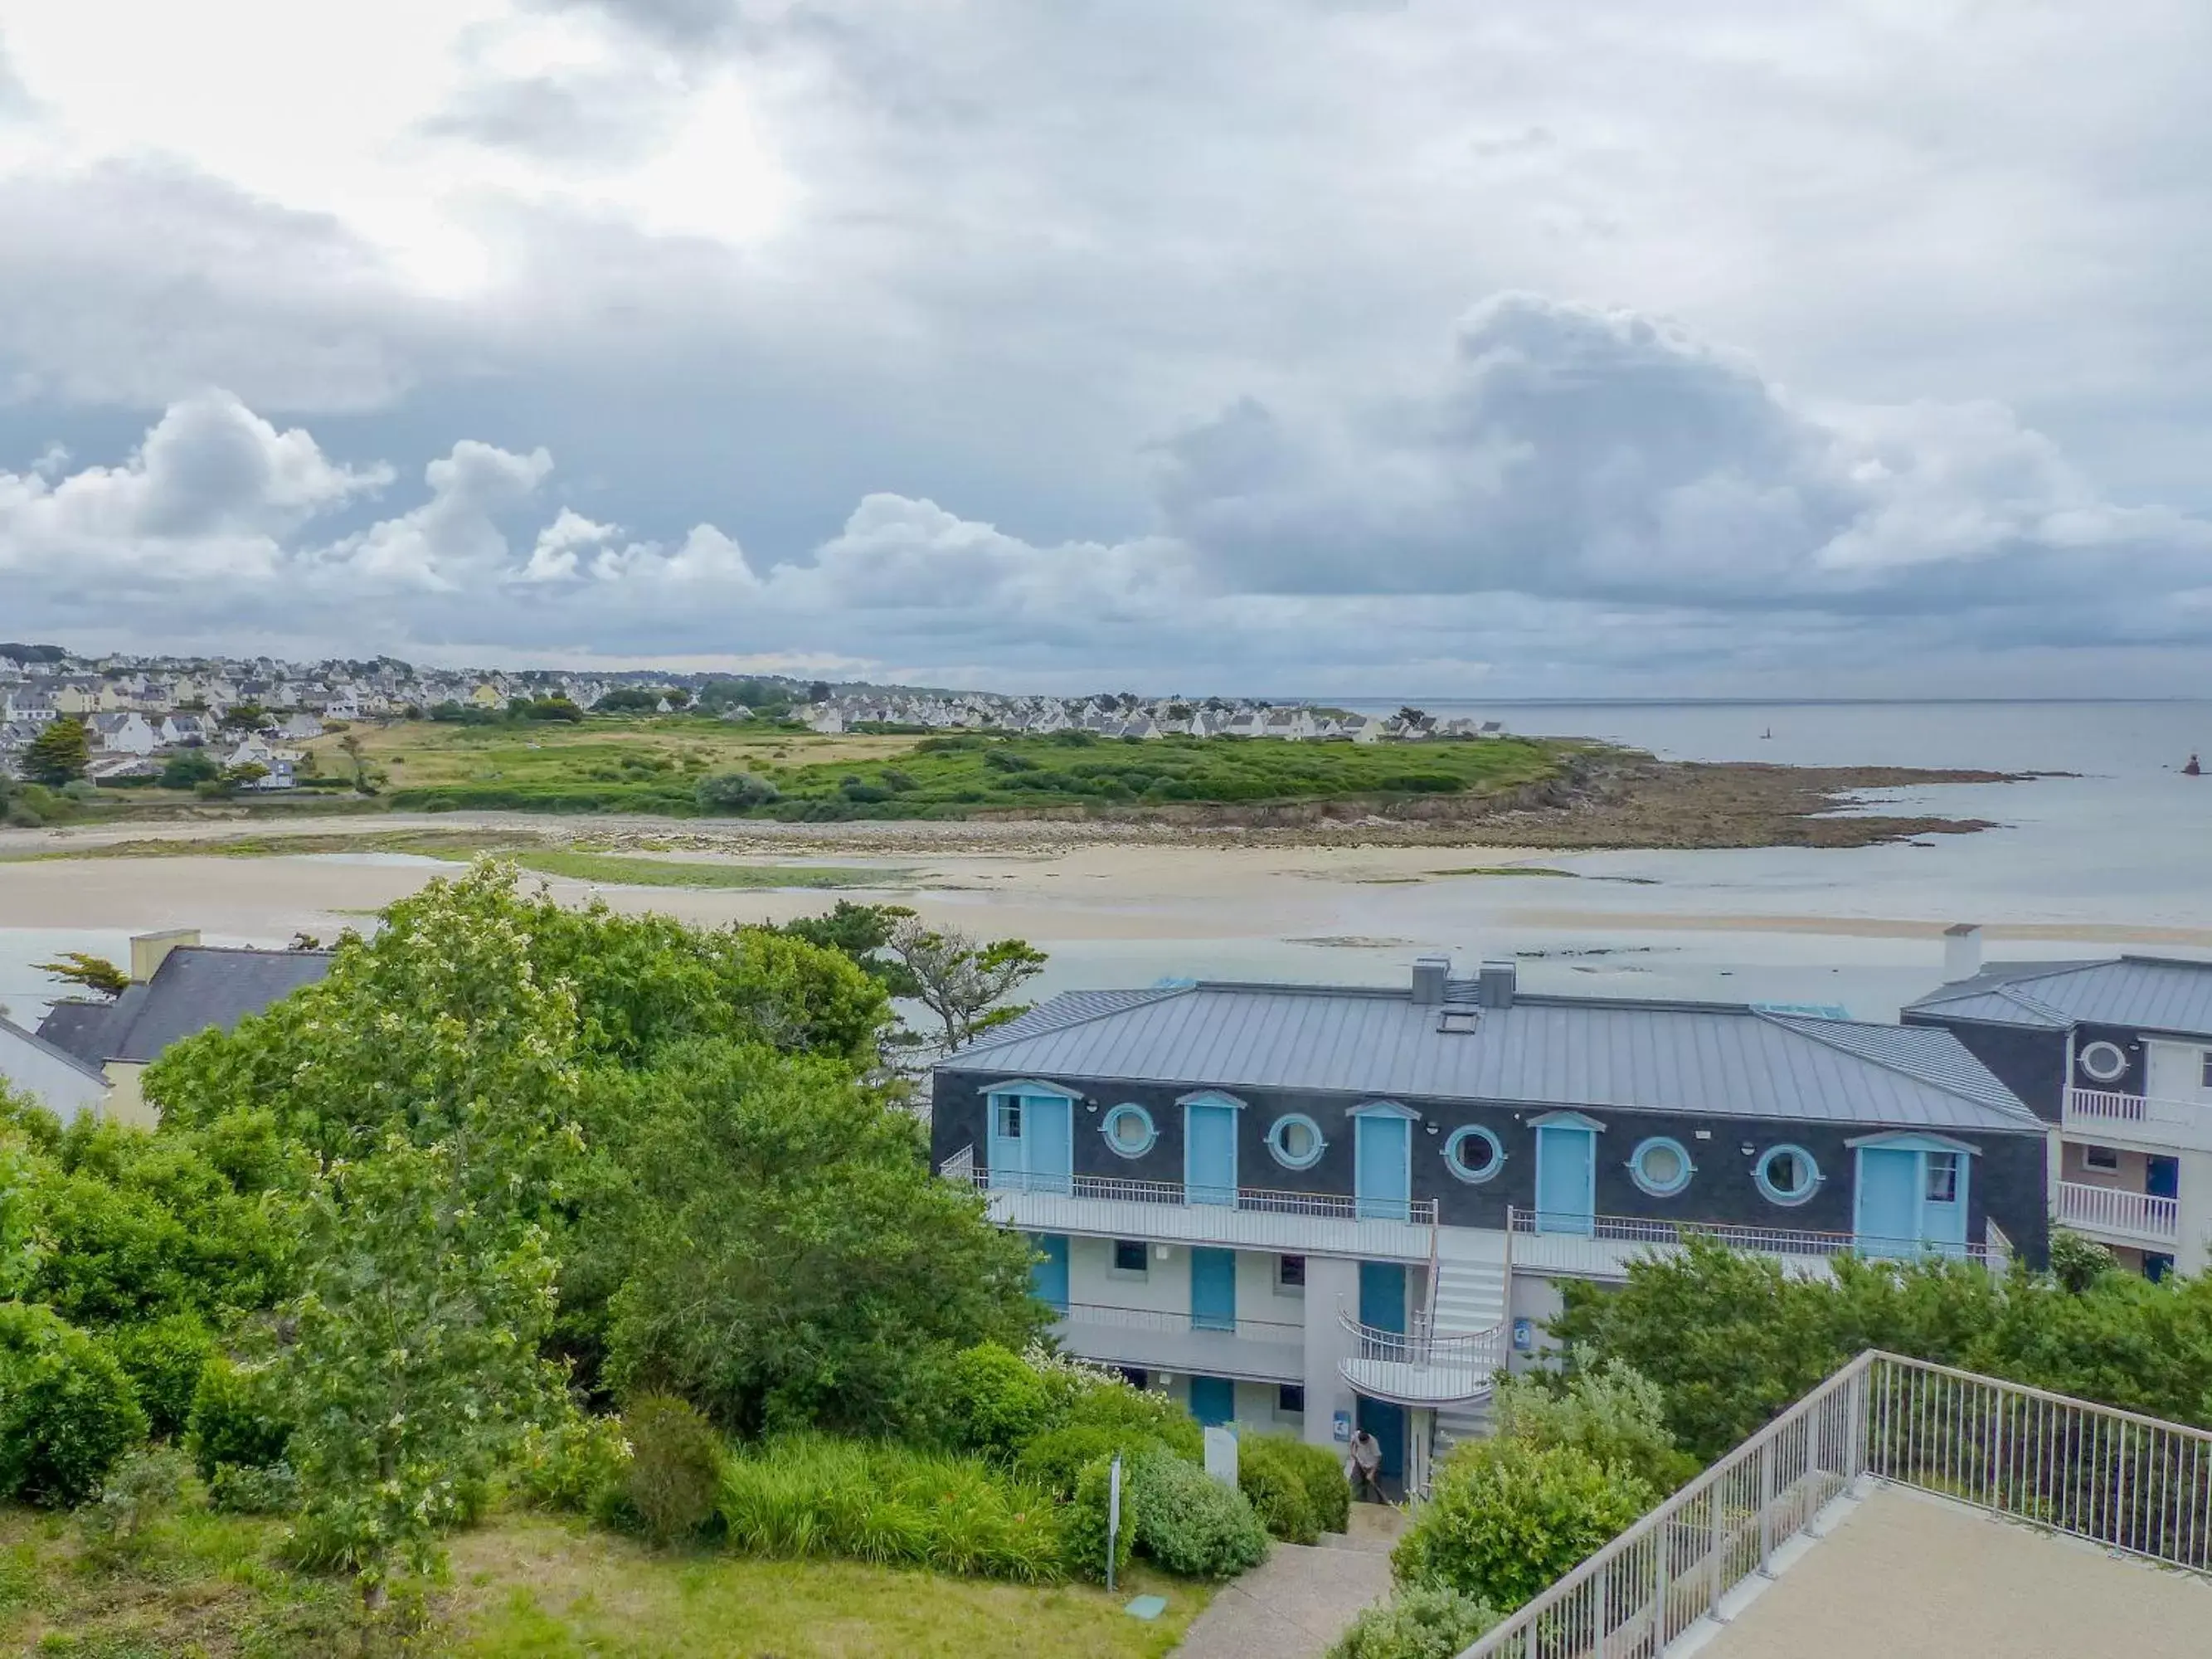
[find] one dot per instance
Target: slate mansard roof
(1718, 1060)
(2148, 993)
(195, 986)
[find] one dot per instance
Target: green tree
(862, 933)
(92, 973)
(962, 982)
(245, 717)
(188, 767)
(788, 1257)
(58, 754)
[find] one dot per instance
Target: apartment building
(2115, 1057)
(1316, 1208)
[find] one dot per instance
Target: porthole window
(1787, 1174)
(2105, 1062)
(1473, 1154)
(1662, 1167)
(1296, 1141)
(1128, 1130)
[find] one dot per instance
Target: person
(1364, 1466)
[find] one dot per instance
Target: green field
(655, 766)
(529, 1585)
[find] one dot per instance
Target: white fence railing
(1422, 1366)
(2186, 1123)
(2131, 1484)
(1162, 1319)
(1258, 1201)
(1564, 1231)
(2115, 1210)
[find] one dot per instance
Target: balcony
(2137, 1121)
(1252, 1218)
(2114, 1213)
(1612, 1242)
(1422, 1367)
(1157, 1340)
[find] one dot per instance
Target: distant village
(139, 711)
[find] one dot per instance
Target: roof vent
(1962, 951)
(1430, 974)
(1500, 980)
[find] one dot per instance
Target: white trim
(1903, 1140)
(1385, 1109)
(1210, 1097)
(2089, 1068)
(1566, 1119)
(1029, 1086)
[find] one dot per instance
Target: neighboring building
(123, 734)
(1308, 1206)
(178, 988)
(48, 1073)
(2116, 1057)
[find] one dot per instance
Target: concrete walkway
(1909, 1577)
(1303, 1598)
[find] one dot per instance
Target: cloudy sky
(1383, 347)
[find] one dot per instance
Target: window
(1473, 1154)
(1289, 1399)
(2204, 1076)
(1128, 1130)
(1296, 1141)
(1128, 1256)
(1290, 1273)
(1787, 1174)
(1009, 1120)
(1134, 1376)
(2101, 1157)
(1943, 1178)
(1662, 1167)
(2104, 1062)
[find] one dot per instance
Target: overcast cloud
(1269, 344)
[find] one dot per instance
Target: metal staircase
(1468, 1294)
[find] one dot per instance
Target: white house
(52, 1076)
(123, 734)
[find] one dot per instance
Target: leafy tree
(93, 972)
(862, 933)
(552, 708)
(67, 1411)
(415, 1366)
(58, 754)
(245, 717)
(790, 1258)
(732, 792)
(1607, 1409)
(962, 982)
(187, 768)
(628, 700)
(350, 744)
(817, 691)
(244, 776)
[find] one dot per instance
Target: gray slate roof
(1722, 1060)
(195, 987)
(8, 1028)
(2148, 993)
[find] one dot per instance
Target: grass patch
(429, 843)
(667, 872)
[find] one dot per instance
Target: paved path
(1906, 1576)
(1302, 1599)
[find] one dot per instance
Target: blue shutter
(1213, 1289)
(1382, 1175)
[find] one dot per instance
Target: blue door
(2163, 1176)
(1387, 1423)
(1383, 1167)
(1382, 1295)
(1048, 1277)
(1889, 1187)
(1213, 1289)
(1212, 1401)
(1209, 1154)
(1032, 1143)
(1566, 1179)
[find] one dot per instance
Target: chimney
(150, 951)
(1962, 951)
(1430, 974)
(1500, 979)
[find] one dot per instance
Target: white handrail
(1769, 1241)
(2127, 1482)
(1420, 1211)
(2115, 1209)
(1421, 1365)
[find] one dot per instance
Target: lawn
(531, 1585)
(653, 766)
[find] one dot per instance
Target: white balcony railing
(1254, 1218)
(2141, 1217)
(1605, 1244)
(1159, 1339)
(1109, 1317)
(2132, 1484)
(2137, 1119)
(1422, 1367)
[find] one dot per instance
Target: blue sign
(1524, 1335)
(1343, 1426)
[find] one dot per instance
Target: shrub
(1612, 1411)
(994, 1399)
(140, 1487)
(1086, 1523)
(1507, 1518)
(1422, 1621)
(1190, 1523)
(1299, 1490)
(237, 1490)
(870, 1501)
(578, 1464)
(237, 1421)
(1056, 1458)
(67, 1411)
(163, 1359)
(1138, 1413)
(732, 792)
(2077, 1262)
(675, 1469)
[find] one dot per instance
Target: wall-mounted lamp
(1748, 1149)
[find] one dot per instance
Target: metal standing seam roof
(195, 987)
(1707, 1059)
(2150, 994)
